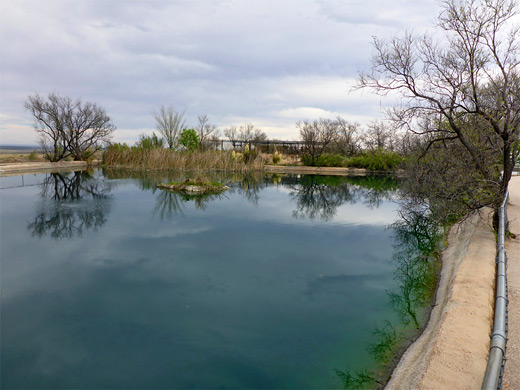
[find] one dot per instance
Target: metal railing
(497, 351)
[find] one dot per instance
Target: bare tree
(69, 127)
(248, 133)
(232, 134)
(347, 139)
(215, 140)
(204, 130)
(259, 135)
(471, 78)
(379, 136)
(50, 124)
(446, 179)
(169, 123)
(317, 136)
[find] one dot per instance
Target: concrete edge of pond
(333, 171)
(10, 169)
(453, 348)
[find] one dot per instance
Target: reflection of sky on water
(237, 294)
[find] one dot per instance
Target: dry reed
(158, 158)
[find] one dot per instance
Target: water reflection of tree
(416, 242)
(169, 204)
(417, 238)
(249, 185)
(146, 180)
(318, 197)
(71, 203)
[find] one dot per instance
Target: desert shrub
(276, 157)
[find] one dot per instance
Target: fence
(497, 351)
(269, 146)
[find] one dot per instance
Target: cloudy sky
(267, 62)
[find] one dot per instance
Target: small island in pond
(196, 187)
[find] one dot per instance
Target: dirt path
(512, 368)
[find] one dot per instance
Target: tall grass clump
(121, 155)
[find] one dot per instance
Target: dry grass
(286, 159)
(182, 161)
(12, 156)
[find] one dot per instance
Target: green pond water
(108, 282)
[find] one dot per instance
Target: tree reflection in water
(417, 236)
(318, 197)
(169, 204)
(71, 203)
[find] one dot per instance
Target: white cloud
(309, 113)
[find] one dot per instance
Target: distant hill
(21, 148)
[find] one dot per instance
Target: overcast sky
(270, 63)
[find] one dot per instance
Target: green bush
(149, 142)
(380, 160)
(325, 160)
(118, 147)
(189, 139)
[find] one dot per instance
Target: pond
(280, 282)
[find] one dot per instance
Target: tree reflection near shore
(70, 204)
(417, 237)
(319, 197)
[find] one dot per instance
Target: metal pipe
(497, 350)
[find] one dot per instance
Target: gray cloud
(233, 60)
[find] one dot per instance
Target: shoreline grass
(136, 158)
